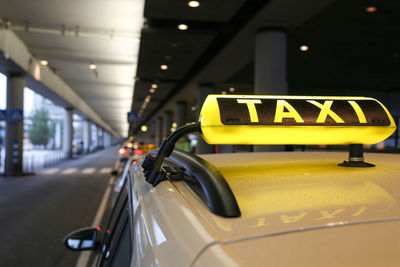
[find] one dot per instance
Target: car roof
(282, 192)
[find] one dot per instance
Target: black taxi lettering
(340, 112)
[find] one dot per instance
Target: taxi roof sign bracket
(356, 157)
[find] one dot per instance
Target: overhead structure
(91, 47)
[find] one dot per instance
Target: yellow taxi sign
(256, 119)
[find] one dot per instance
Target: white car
(260, 209)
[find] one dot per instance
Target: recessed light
(164, 67)
(152, 90)
(143, 128)
(147, 99)
(370, 9)
(92, 66)
(194, 3)
(174, 125)
(154, 86)
(232, 89)
(44, 62)
(304, 48)
(183, 27)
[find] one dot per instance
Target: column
(107, 139)
(203, 91)
(87, 140)
(270, 67)
(68, 131)
(180, 114)
(158, 135)
(100, 137)
(94, 137)
(167, 124)
(14, 130)
(58, 135)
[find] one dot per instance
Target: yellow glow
(143, 128)
(44, 62)
(194, 4)
(295, 194)
(183, 27)
(214, 132)
(371, 9)
(164, 67)
(304, 48)
(154, 86)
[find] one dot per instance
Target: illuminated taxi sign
(236, 119)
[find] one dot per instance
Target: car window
(115, 232)
(123, 249)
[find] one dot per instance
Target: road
(37, 212)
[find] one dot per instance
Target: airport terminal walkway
(37, 212)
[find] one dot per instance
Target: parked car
(261, 209)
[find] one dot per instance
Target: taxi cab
(261, 209)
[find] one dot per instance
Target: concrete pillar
(58, 135)
(87, 140)
(14, 130)
(68, 131)
(270, 62)
(107, 139)
(180, 114)
(94, 136)
(99, 137)
(167, 124)
(202, 92)
(158, 135)
(270, 68)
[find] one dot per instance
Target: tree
(39, 131)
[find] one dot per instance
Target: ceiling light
(370, 9)
(154, 86)
(152, 90)
(44, 62)
(174, 125)
(183, 27)
(164, 67)
(223, 92)
(143, 128)
(147, 99)
(304, 48)
(193, 108)
(194, 3)
(92, 66)
(232, 89)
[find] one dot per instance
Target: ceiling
(351, 51)
(72, 34)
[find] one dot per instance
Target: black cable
(152, 165)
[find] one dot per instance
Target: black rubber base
(359, 164)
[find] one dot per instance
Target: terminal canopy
(257, 119)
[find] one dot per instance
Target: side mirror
(82, 239)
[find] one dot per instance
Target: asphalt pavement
(37, 212)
